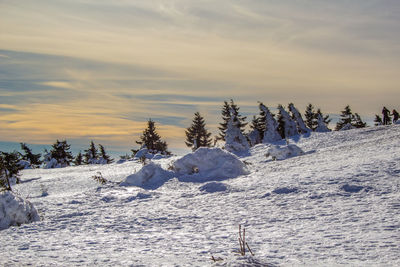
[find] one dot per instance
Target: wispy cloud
(100, 68)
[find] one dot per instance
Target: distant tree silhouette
(33, 159)
(197, 134)
(226, 116)
(152, 140)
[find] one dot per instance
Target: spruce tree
(91, 155)
(59, 156)
(197, 134)
(296, 117)
(271, 133)
(286, 126)
(325, 118)
(9, 168)
(357, 121)
(104, 158)
(226, 116)
(33, 159)
(310, 118)
(78, 159)
(235, 141)
(152, 140)
(346, 118)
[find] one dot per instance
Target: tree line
(266, 127)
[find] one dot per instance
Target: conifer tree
(255, 136)
(104, 158)
(346, 118)
(9, 168)
(325, 118)
(226, 116)
(91, 155)
(357, 121)
(321, 125)
(59, 156)
(378, 120)
(152, 140)
(78, 159)
(33, 159)
(296, 117)
(286, 126)
(310, 118)
(235, 141)
(197, 134)
(271, 133)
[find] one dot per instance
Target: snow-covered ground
(338, 204)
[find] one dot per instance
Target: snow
(15, 211)
(283, 152)
(151, 175)
(338, 204)
(209, 164)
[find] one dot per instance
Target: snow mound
(149, 154)
(15, 210)
(213, 187)
(210, 163)
(150, 176)
(284, 152)
(347, 126)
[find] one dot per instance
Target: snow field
(338, 204)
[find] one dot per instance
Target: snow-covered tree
(326, 118)
(286, 126)
(28, 156)
(271, 133)
(321, 125)
(152, 140)
(345, 118)
(235, 141)
(59, 156)
(296, 116)
(197, 134)
(256, 133)
(226, 116)
(348, 118)
(91, 155)
(9, 168)
(104, 158)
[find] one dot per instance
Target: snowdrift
(150, 176)
(284, 152)
(209, 164)
(15, 210)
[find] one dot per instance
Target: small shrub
(99, 178)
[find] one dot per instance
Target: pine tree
(226, 116)
(310, 117)
(33, 159)
(296, 117)
(378, 120)
(104, 158)
(152, 140)
(78, 159)
(9, 168)
(197, 134)
(321, 125)
(59, 156)
(91, 155)
(346, 118)
(256, 134)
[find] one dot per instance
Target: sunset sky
(86, 70)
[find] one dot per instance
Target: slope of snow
(338, 204)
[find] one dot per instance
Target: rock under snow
(284, 152)
(210, 163)
(150, 176)
(15, 210)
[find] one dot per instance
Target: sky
(97, 70)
